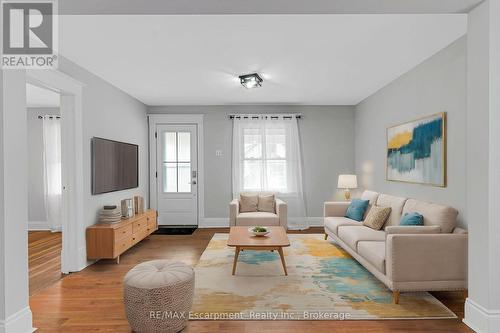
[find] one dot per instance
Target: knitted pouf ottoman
(158, 296)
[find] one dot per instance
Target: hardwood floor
(91, 300)
(44, 259)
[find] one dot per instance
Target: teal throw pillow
(356, 209)
(412, 219)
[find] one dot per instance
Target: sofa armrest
(282, 212)
(234, 209)
(407, 229)
(426, 257)
(335, 208)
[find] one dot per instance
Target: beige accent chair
(278, 218)
(405, 258)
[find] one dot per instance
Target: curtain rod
(272, 116)
(51, 117)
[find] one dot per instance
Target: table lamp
(347, 182)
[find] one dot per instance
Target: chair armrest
(410, 229)
(335, 208)
(282, 212)
(426, 257)
(234, 209)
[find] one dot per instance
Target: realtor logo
(29, 34)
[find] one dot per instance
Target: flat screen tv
(115, 166)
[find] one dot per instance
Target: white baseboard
(223, 222)
(214, 222)
(480, 319)
(315, 221)
(38, 225)
(19, 322)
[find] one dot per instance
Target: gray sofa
(405, 258)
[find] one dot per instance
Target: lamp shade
(347, 181)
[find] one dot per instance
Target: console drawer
(123, 232)
(139, 224)
(139, 235)
(122, 245)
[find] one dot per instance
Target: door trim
(73, 253)
(176, 119)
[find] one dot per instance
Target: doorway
(176, 183)
(44, 187)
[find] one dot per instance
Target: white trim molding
(223, 222)
(38, 225)
(19, 322)
(166, 119)
(71, 91)
(214, 222)
(481, 319)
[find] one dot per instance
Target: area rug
(324, 283)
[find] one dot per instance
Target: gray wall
(327, 134)
(112, 114)
(37, 215)
(438, 84)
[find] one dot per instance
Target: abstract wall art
(416, 151)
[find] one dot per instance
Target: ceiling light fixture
(251, 80)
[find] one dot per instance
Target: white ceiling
(216, 7)
(41, 97)
(304, 59)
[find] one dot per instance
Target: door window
(177, 162)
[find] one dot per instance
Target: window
(177, 162)
(266, 158)
(265, 165)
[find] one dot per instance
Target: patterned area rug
(324, 283)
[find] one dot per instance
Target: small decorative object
(416, 151)
(258, 231)
(347, 182)
(110, 214)
(139, 204)
(127, 208)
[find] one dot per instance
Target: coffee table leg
(280, 251)
(236, 254)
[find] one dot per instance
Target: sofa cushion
(248, 203)
(434, 214)
(374, 253)
(377, 217)
(333, 223)
(351, 235)
(266, 203)
(412, 218)
(371, 197)
(257, 218)
(396, 204)
(413, 229)
(357, 209)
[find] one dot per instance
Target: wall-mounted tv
(115, 166)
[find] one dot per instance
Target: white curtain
(52, 171)
(267, 158)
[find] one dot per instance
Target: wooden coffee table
(241, 239)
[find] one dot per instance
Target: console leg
(395, 296)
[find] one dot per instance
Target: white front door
(177, 174)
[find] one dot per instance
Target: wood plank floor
(91, 300)
(44, 259)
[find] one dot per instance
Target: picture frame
(416, 151)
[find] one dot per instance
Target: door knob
(193, 182)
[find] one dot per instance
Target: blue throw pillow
(412, 219)
(356, 209)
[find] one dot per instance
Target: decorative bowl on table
(258, 231)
